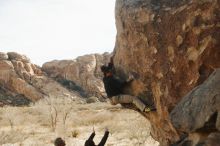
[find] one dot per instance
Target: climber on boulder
(114, 89)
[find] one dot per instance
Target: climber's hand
(130, 78)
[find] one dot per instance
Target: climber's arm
(92, 135)
(104, 139)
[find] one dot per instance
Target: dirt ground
(40, 123)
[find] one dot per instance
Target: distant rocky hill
(173, 48)
(82, 74)
(22, 82)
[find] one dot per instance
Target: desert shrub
(56, 109)
(12, 137)
(74, 133)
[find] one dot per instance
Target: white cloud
(56, 29)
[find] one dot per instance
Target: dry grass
(42, 122)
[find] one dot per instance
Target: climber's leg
(131, 99)
(128, 99)
(121, 99)
(114, 100)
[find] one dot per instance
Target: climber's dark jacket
(90, 141)
(113, 86)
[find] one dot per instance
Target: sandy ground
(73, 121)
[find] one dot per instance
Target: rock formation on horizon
(84, 71)
(22, 81)
(172, 47)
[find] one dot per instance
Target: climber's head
(106, 70)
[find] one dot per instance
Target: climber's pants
(128, 99)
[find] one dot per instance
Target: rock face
(199, 111)
(8, 98)
(170, 46)
(84, 72)
(199, 105)
(20, 78)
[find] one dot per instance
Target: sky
(46, 30)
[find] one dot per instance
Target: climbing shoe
(147, 109)
(153, 109)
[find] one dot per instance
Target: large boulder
(20, 78)
(199, 106)
(212, 140)
(7, 98)
(3, 56)
(170, 46)
(199, 111)
(18, 57)
(83, 71)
